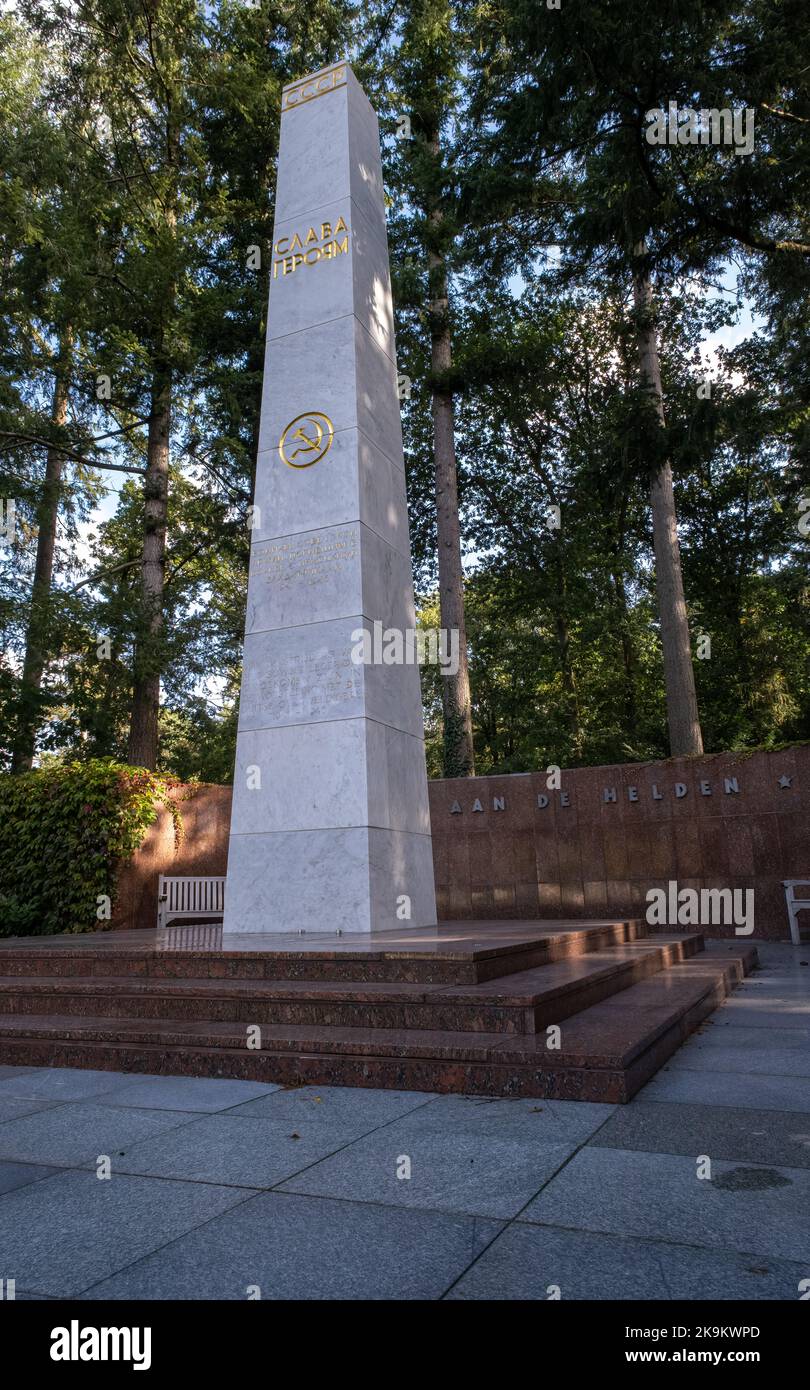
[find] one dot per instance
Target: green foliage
(540, 171)
(66, 829)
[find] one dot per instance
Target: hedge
(64, 831)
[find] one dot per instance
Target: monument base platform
(463, 1007)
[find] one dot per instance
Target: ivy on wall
(64, 831)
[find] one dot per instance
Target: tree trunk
(459, 758)
(143, 728)
(623, 625)
(142, 749)
(685, 737)
(37, 633)
(568, 677)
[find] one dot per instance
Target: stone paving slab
(62, 1083)
(245, 1152)
(750, 1136)
(764, 1013)
(65, 1233)
(761, 987)
(725, 1032)
(204, 1094)
(361, 1109)
(726, 1047)
(14, 1107)
(75, 1134)
(753, 1210)
(525, 1262)
(449, 1171)
(734, 1089)
(529, 1119)
(306, 1248)
(14, 1175)
(783, 1062)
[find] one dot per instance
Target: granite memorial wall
(509, 847)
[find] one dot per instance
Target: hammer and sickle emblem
(306, 439)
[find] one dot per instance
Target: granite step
(607, 1051)
(323, 958)
(518, 1003)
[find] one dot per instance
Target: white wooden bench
(795, 905)
(191, 897)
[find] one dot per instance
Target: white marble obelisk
(330, 826)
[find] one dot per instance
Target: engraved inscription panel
(309, 559)
(299, 686)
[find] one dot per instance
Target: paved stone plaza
(220, 1186)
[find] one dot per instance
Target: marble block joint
(330, 827)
